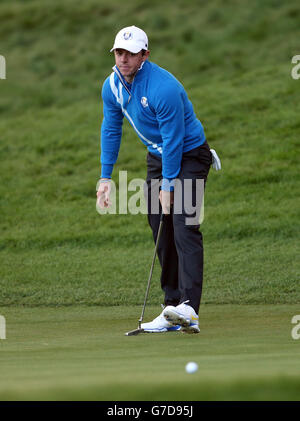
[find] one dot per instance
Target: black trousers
(180, 250)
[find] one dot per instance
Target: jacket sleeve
(170, 116)
(111, 130)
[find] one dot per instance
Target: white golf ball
(191, 367)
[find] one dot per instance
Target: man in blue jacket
(159, 110)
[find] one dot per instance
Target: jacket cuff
(168, 184)
(106, 170)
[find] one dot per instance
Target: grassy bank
(54, 248)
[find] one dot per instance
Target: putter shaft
(151, 270)
(139, 329)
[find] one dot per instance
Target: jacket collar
(137, 77)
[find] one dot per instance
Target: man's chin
(125, 72)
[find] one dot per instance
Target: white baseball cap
(132, 39)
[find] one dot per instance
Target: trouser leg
(180, 251)
(188, 238)
(166, 251)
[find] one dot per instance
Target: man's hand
(166, 199)
(103, 193)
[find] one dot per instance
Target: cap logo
(144, 101)
(127, 35)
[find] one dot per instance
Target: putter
(139, 329)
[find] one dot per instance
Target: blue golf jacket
(160, 112)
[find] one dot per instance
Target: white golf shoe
(159, 324)
(184, 316)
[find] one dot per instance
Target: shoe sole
(191, 329)
(164, 329)
(178, 319)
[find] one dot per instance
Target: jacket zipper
(116, 70)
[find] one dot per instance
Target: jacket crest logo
(144, 101)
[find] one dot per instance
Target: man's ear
(146, 55)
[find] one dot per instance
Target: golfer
(158, 108)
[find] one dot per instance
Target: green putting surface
(244, 352)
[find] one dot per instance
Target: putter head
(135, 332)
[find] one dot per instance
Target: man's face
(128, 62)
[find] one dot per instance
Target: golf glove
(216, 163)
(103, 193)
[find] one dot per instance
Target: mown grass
(235, 62)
